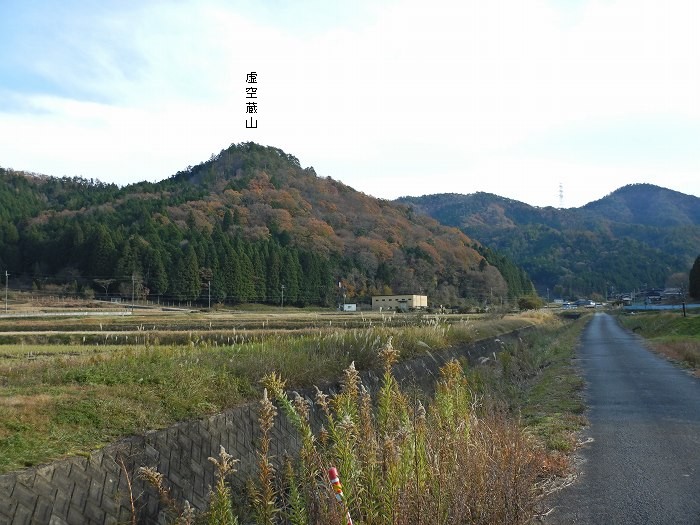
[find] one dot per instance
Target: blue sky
(512, 97)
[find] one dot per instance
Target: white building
(399, 302)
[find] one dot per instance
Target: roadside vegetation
(670, 334)
(403, 463)
(58, 400)
(488, 446)
(484, 449)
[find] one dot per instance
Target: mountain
(636, 237)
(249, 224)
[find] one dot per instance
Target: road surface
(642, 465)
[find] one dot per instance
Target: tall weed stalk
(401, 463)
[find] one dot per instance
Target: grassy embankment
(57, 400)
(483, 450)
(115, 377)
(670, 334)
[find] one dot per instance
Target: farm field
(70, 384)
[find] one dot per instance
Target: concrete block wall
(95, 489)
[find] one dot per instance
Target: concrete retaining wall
(95, 490)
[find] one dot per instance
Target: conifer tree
(694, 279)
(227, 221)
(102, 253)
(259, 281)
(129, 262)
(229, 269)
(246, 288)
(157, 277)
(185, 283)
(274, 270)
(291, 273)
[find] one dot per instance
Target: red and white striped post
(338, 489)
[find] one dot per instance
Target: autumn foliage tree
(252, 216)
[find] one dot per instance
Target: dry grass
(400, 464)
(63, 399)
(672, 335)
(686, 352)
(465, 457)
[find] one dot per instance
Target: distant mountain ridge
(249, 224)
(648, 205)
(637, 236)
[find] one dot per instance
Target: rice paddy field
(75, 378)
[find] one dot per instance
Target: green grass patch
(57, 400)
(463, 455)
(536, 379)
(663, 324)
(670, 334)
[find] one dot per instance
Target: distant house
(672, 293)
(585, 303)
(399, 302)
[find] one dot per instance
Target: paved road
(643, 463)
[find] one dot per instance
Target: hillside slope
(248, 223)
(636, 237)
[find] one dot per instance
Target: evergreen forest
(248, 225)
(639, 237)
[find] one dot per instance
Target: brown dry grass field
(71, 382)
(74, 377)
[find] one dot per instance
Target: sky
(549, 102)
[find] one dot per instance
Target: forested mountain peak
(237, 165)
(647, 204)
(480, 209)
(250, 211)
(638, 236)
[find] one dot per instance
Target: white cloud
(396, 98)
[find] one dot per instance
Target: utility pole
(282, 296)
(7, 280)
(133, 286)
(683, 298)
(209, 285)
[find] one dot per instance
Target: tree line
(248, 225)
(170, 264)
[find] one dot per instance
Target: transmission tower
(561, 195)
